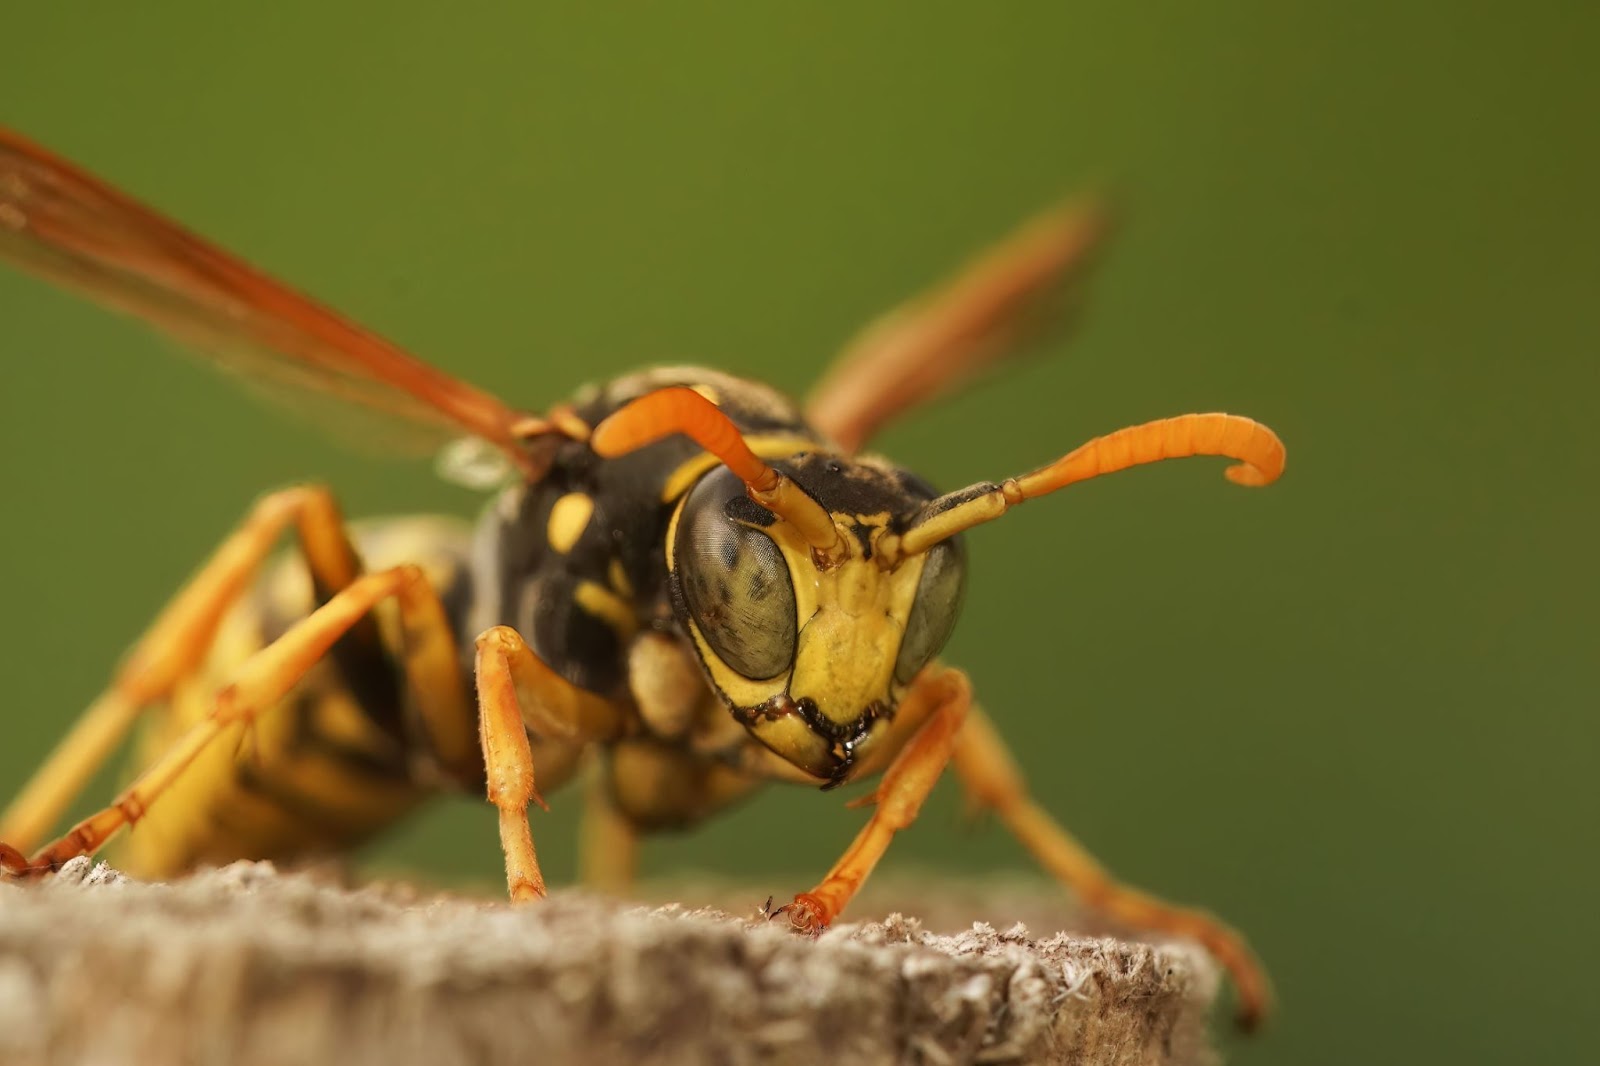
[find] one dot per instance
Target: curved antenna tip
(1247, 475)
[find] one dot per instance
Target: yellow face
(812, 658)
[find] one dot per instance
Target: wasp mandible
(690, 581)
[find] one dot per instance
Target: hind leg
(257, 684)
(993, 782)
(176, 644)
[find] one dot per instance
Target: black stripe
(306, 738)
(321, 822)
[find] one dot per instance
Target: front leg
(993, 782)
(899, 796)
(518, 691)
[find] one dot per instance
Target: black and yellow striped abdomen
(328, 766)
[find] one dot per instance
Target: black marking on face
(861, 487)
(953, 500)
(843, 737)
(863, 535)
(741, 508)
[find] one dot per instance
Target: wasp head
(811, 649)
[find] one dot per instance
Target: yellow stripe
(607, 606)
(777, 446)
(619, 579)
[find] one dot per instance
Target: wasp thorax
(812, 655)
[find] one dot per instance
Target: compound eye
(735, 581)
(933, 613)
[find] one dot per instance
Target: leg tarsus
(14, 864)
(993, 782)
(507, 756)
(507, 671)
(807, 915)
(898, 797)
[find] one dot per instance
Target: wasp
(686, 581)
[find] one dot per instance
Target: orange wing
(64, 224)
(933, 343)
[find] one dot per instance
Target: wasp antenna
(678, 409)
(1259, 452)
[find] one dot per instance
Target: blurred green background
(1353, 713)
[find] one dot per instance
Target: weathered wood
(247, 966)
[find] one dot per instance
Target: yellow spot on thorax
(607, 606)
(619, 579)
(569, 517)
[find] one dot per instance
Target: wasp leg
(507, 756)
(609, 842)
(668, 691)
(177, 642)
(517, 692)
(258, 683)
(12, 861)
(993, 782)
(899, 796)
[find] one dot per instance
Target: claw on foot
(807, 915)
(1251, 1010)
(14, 864)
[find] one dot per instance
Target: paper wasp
(689, 579)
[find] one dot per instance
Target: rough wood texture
(247, 966)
